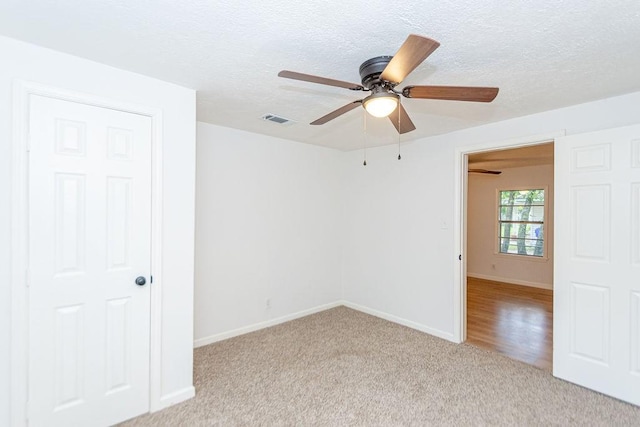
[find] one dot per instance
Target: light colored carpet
(343, 367)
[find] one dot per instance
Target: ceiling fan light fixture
(381, 104)
(382, 74)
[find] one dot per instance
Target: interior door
(89, 239)
(596, 337)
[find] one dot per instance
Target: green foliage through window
(521, 222)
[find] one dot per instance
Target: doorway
(80, 164)
(509, 252)
(89, 171)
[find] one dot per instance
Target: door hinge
(151, 278)
(27, 278)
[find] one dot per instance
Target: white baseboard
(176, 397)
(404, 322)
(261, 325)
(513, 281)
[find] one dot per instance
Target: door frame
(460, 218)
(19, 262)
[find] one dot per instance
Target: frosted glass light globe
(381, 104)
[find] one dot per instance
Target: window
(521, 222)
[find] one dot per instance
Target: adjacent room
(510, 252)
(324, 213)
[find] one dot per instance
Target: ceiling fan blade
(320, 80)
(340, 111)
(413, 51)
(485, 171)
(405, 125)
(452, 93)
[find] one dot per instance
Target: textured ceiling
(543, 55)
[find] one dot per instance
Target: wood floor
(516, 321)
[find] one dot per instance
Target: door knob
(140, 281)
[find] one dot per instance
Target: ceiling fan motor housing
(371, 69)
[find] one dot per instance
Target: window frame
(496, 219)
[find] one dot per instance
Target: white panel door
(89, 239)
(596, 337)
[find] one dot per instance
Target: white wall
(39, 65)
(268, 226)
(399, 249)
(482, 259)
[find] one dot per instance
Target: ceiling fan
(485, 171)
(381, 75)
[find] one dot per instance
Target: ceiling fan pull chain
(364, 133)
(399, 127)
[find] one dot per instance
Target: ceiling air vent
(277, 119)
